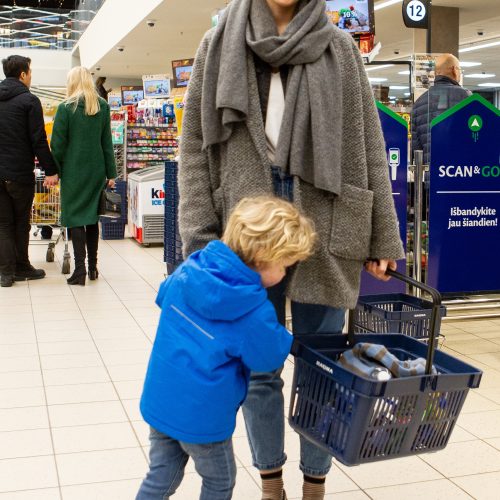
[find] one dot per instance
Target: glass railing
(46, 28)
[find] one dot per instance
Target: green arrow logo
(475, 125)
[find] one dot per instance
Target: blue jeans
(168, 457)
(264, 406)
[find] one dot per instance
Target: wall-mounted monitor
(181, 70)
(132, 95)
(354, 16)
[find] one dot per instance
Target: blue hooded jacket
(216, 326)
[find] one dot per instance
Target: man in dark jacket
(445, 93)
(22, 138)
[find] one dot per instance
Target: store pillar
(443, 35)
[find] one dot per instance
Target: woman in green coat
(83, 149)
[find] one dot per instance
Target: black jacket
(443, 95)
(22, 134)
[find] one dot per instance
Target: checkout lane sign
(395, 130)
(464, 210)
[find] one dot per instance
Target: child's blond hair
(267, 229)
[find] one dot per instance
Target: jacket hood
(11, 87)
(218, 285)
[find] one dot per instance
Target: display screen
(353, 16)
(132, 95)
(182, 70)
(157, 88)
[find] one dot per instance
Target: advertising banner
(464, 209)
(118, 131)
(156, 86)
(395, 130)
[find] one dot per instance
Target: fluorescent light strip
(467, 64)
(387, 3)
(478, 47)
(405, 72)
(480, 75)
(490, 84)
(381, 66)
(377, 80)
(399, 87)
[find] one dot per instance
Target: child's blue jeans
(168, 457)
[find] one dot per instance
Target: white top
(274, 116)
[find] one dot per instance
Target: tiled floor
(72, 361)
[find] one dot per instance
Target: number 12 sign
(416, 13)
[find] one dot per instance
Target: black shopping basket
(359, 420)
(394, 313)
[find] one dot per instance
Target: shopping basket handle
(436, 305)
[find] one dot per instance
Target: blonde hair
(80, 87)
(267, 229)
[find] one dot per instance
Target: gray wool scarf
(310, 138)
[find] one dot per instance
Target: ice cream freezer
(146, 207)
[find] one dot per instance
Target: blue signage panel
(464, 209)
(395, 130)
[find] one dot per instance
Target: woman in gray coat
(279, 102)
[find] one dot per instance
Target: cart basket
(358, 419)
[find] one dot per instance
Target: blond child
(216, 326)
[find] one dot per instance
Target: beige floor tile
(63, 335)
(141, 430)
(31, 443)
(69, 347)
(483, 425)
(20, 364)
(20, 398)
(460, 435)
(481, 486)
(242, 451)
(14, 380)
(116, 333)
(94, 438)
(130, 389)
(431, 490)
(471, 347)
(491, 359)
(45, 494)
(135, 357)
(68, 376)
(27, 473)
(451, 463)
(475, 403)
(132, 409)
(18, 419)
(10, 320)
(81, 393)
(495, 442)
(78, 360)
(113, 490)
(86, 414)
(491, 394)
(18, 350)
(490, 379)
(348, 495)
(389, 473)
(99, 466)
(116, 345)
(127, 372)
(25, 336)
(70, 315)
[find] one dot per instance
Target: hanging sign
(464, 207)
(416, 13)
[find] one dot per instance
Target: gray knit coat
(357, 224)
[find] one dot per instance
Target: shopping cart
(358, 419)
(46, 211)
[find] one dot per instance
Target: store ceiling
(178, 31)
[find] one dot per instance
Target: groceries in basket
(342, 404)
(110, 204)
(375, 361)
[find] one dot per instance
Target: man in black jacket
(22, 138)
(445, 93)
